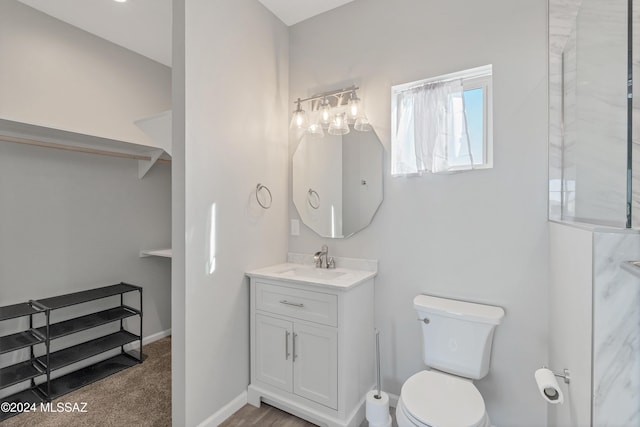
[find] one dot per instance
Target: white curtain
(430, 133)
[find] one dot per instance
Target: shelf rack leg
(32, 355)
(140, 354)
(121, 322)
(47, 344)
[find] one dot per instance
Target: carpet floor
(138, 396)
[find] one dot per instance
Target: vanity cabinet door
(273, 352)
(315, 364)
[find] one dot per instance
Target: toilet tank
(457, 335)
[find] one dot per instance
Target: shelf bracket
(145, 165)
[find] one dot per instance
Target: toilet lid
(441, 400)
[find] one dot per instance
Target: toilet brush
(377, 402)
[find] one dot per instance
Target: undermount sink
(312, 273)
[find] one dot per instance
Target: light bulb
(339, 125)
(325, 113)
(299, 119)
(315, 130)
(353, 108)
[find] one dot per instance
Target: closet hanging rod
(65, 147)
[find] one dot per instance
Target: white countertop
(346, 279)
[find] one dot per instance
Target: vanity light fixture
(120, 1)
(334, 110)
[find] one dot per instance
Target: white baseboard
(148, 339)
(155, 337)
(226, 411)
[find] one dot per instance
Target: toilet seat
(436, 399)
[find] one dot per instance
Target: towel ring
(259, 188)
(313, 194)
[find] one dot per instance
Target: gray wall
(236, 79)
(56, 75)
(479, 236)
(72, 221)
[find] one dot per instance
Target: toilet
(456, 346)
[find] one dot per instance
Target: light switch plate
(295, 227)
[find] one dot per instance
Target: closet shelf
(71, 326)
(86, 296)
(67, 356)
(165, 253)
(17, 373)
(47, 137)
(85, 376)
(19, 340)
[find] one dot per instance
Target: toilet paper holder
(565, 375)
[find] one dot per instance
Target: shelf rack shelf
(61, 329)
(20, 340)
(70, 355)
(18, 310)
(85, 376)
(19, 372)
(45, 364)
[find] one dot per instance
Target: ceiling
(293, 11)
(144, 26)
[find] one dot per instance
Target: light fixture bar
(335, 93)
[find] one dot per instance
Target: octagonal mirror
(337, 182)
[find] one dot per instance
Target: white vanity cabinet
(312, 346)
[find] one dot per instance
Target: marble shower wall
(587, 168)
(616, 330)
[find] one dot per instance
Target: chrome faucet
(322, 259)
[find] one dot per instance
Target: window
(442, 124)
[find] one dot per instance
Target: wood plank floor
(267, 415)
